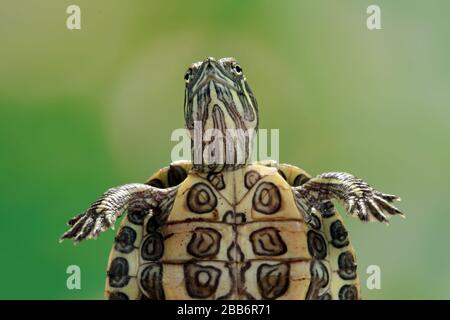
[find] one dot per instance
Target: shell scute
(235, 235)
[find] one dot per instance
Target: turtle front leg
(103, 213)
(358, 197)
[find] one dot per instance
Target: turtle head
(221, 114)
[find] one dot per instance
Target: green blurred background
(84, 110)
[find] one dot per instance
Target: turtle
(228, 227)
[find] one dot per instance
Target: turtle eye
(237, 69)
(187, 76)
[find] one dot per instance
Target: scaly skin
(358, 197)
(103, 213)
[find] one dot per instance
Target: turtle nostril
(209, 60)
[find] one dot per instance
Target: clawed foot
(88, 225)
(374, 205)
(359, 198)
(103, 213)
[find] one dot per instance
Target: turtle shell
(232, 235)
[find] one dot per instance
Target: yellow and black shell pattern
(232, 235)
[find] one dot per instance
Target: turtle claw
(388, 197)
(111, 221)
(103, 213)
(72, 221)
(88, 225)
(359, 198)
(373, 206)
